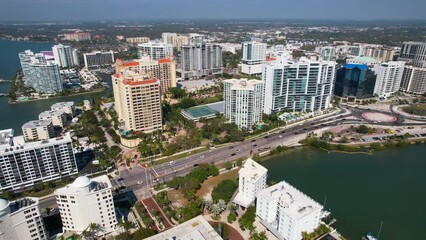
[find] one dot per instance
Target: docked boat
(369, 236)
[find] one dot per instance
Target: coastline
(30, 41)
(70, 95)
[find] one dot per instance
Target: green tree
(224, 190)
(247, 219)
(228, 165)
(232, 217)
(258, 236)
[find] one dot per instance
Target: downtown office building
(298, 86)
(22, 164)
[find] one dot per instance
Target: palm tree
(125, 225)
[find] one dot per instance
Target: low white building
(252, 178)
(287, 212)
(194, 229)
(67, 107)
(38, 130)
(21, 219)
(87, 201)
(87, 105)
(58, 117)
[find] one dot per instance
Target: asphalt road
(140, 180)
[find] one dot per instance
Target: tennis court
(203, 111)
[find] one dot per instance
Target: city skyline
(25, 10)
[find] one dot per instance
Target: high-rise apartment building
(254, 55)
(26, 163)
(327, 53)
(200, 59)
(287, 212)
(39, 73)
(155, 50)
(413, 80)
(251, 180)
(87, 201)
(77, 36)
(414, 53)
(38, 130)
(65, 56)
(96, 59)
(21, 220)
(137, 40)
(162, 69)
(355, 81)
(301, 86)
(389, 76)
(138, 101)
(243, 102)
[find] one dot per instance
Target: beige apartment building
(138, 101)
(163, 69)
(137, 40)
(38, 130)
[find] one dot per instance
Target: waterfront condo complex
(41, 72)
(65, 56)
(303, 85)
(389, 76)
(25, 163)
(287, 212)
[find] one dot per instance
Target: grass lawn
(419, 109)
(179, 156)
(177, 198)
(208, 185)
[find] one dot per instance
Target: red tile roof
(130, 64)
(164, 60)
(148, 81)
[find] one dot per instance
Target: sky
(77, 10)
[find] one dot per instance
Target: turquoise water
(362, 190)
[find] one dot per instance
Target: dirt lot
(209, 184)
(177, 198)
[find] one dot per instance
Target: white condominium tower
(21, 220)
(40, 73)
(287, 212)
(162, 69)
(138, 101)
(414, 53)
(389, 76)
(87, 201)
(65, 56)
(243, 102)
(254, 55)
(303, 85)
(26, 163)
(251, 179)
(200, 59)
(155, 50)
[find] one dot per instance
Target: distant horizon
(140, 10)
